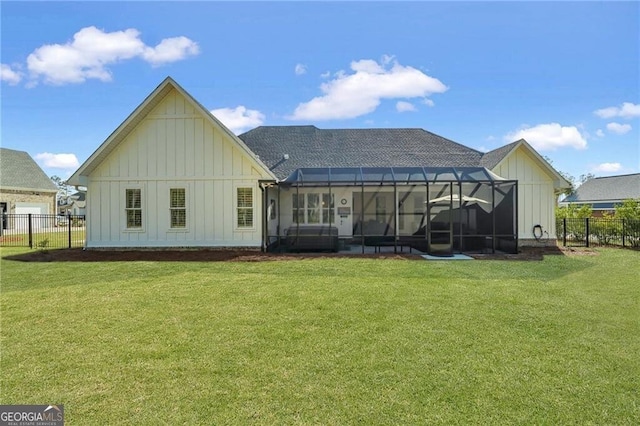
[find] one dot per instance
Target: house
(73, 204)
(604, 193)
(24, 187)
(172, 175)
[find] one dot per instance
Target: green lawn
(326, 341)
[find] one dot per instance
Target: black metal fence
(42, 231)
(597, 231)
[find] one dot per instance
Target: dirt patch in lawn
(232, 255)
(202, 255)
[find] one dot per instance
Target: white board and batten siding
(174, 146)
(535, 193)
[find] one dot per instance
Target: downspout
(460, 244)
(517, 232)
(264, 218)
(493, 216)
(362, 213)
(278, 230)
(395, 216)
(264, 188)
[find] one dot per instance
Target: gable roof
(288, 148)
(610, 188)
(128, 125)
(492, 159)
(18, 171)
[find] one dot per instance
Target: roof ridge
(615, 176)
(11, 149)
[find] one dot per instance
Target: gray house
(24, 187)
(603, 193)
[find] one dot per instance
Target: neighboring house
(73, 204)
(171, 175)
(24, 187)
(604, 193)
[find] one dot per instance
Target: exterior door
(440, 224)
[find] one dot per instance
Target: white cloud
(428, 102)
(403, 106)
(170, 50)
(239, 119)
(549, 137)
(607, 168)
(92, 50)
(9, 75)
(600, 133)
(300, 69)
(626, 110)
(359, 93)
(619, 129)
(58, 161)
(326, 74)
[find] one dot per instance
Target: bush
(606, 229)
(629, 210)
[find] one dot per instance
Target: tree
(63, 188)
(585, 177)
(573, 212)
(572, 181)
(629, 209)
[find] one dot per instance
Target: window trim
(143, 218)
(185, 208)
(236, 208)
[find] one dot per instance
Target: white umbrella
(456, 198)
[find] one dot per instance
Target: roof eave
(17, 188)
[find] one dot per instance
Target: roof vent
(285, 156)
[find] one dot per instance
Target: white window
(133, 208)
(313, 208)
(298, 208)
(245, 207)
(328, 208)
(178, 207)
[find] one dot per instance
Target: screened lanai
(430, 210)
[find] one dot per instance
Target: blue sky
(563, 75)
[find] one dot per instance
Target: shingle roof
(614, 188)
(310, 147)
(492, 158)
(19, 171)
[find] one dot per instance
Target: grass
(326, 341)
(54, 237)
